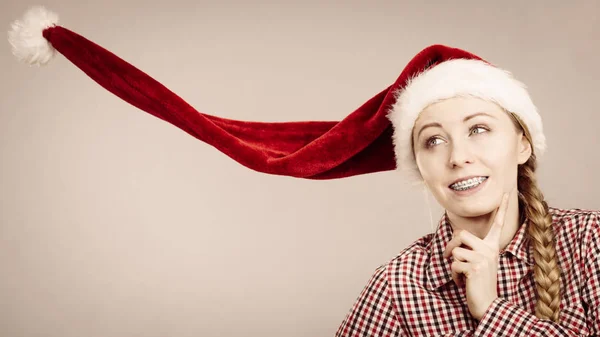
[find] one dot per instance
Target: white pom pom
(28, 43)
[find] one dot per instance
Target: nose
(460, 154)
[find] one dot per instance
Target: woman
(495, 266)
(493, 260)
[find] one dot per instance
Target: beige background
(114, 223)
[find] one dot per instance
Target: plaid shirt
(414, 294)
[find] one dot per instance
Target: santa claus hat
(373, 138)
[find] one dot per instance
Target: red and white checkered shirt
(414, 294)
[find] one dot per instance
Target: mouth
(468, 186)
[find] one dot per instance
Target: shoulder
(560, 214)
(577, 232)
(418, 249)
(411, 262)
(574, 220)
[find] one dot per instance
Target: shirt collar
(439, 269)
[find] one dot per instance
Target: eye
(429, 143)
(475, 127)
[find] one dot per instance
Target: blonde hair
(534, 209)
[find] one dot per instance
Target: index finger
(496, 228)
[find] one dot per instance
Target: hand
(479, 265)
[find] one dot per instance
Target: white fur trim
(28, 43)
(453, 78)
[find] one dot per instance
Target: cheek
(430, 165)
(502, 164)
(496, 150)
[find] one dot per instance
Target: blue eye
(478, 127)
(429, 144)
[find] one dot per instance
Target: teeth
(467, 184)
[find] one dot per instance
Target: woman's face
(460, 138)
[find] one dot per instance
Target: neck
(480, 225)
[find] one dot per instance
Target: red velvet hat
(375, 137)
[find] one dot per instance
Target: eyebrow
(464, 120)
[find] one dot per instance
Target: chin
(470, 211)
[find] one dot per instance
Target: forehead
(454, 110)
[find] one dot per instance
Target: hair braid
(541, 234)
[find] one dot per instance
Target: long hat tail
(360, 143)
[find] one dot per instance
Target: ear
(524, 149)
